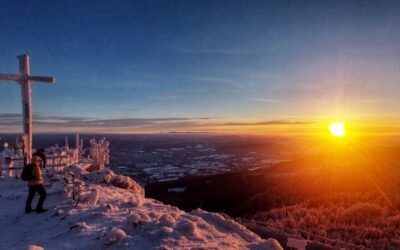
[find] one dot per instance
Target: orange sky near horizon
(286, 127)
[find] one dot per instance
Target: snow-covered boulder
(269, 244)
(114, 235)
(34, 247)
(109, 177)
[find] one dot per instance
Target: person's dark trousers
(32, 191)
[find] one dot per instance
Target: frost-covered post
(7, 155)
(19, 147)
(25, 80)
(77, 151)
(99, 153)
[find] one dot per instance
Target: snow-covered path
(110, 217)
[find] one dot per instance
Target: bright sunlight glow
(337, 129)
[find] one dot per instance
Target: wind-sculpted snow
(105, 210)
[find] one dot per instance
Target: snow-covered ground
(112, 213)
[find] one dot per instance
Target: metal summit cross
(25, 80)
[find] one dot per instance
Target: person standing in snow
(42, 156)
(36, 185)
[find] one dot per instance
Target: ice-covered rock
(114, 235)
(34, 247)
(270, 244)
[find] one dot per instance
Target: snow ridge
(106, 210)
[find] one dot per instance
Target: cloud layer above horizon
(12, 123)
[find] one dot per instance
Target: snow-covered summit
(105, 210)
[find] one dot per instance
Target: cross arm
(47, 79)
(18, 78)
(10, 77)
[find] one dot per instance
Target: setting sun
(337, 129)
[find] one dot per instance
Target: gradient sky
(175, 65)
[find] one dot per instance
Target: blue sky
(221, 60)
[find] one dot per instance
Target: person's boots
(29, 210)
(40, 210)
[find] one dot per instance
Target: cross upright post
(24, 79)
